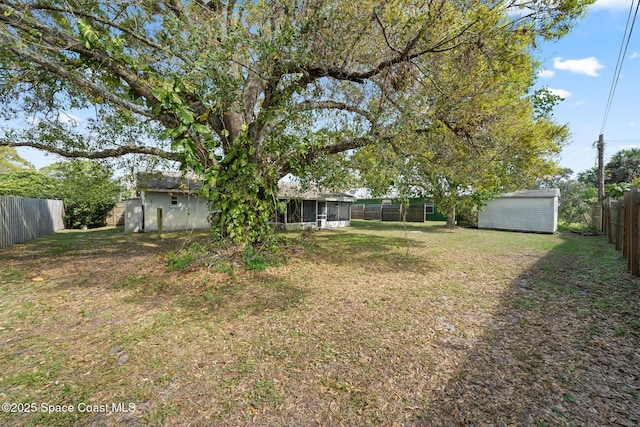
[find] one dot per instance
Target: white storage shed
(176, 194)
(533, 211)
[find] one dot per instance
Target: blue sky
(579, 67)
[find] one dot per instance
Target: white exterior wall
(132, 215)
(534, 214)
(304, 225)
(337, 224)
(190, 213)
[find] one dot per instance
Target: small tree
(624, 166)
(28, 183)
(576, 199)
(87, 189)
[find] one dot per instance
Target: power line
(621, 55)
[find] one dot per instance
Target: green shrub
(183, 258)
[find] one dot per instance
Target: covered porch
(318, 210)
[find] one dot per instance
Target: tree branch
(333, 105)
(340, 73)
(103, 154)
(110, 23)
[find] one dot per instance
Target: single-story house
(183, 209)
(528, 210)
(178, 197)
(315, 208)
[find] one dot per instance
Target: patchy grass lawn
(379, 324)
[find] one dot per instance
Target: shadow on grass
(426, 227)
(103, 262)
(226, 298)
(109, 241)
(561, 349)
(387, 253)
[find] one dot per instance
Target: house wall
(337, 224)
(190, 213)
(337, 213)
(132, 215)
(297, 226)
(536, 214)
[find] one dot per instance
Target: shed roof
(532, 194)
(169, 181)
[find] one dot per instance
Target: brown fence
(116, 215)
(621, 226)
(23, 219)
(389, 212)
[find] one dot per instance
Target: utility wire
(621, 55)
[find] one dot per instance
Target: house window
(430, 209)
(174, 201)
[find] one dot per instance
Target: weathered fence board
(416, 213)
(23, 219)
(116, 215)
(632, 236)
(357, 211)
(392, 212)
(389, 212)
(373, 212)
(621, 225)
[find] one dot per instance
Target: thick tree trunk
(241, 197)
(451, 218)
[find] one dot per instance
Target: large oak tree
(245, 92)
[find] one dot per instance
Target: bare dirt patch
(376, 325)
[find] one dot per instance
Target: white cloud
(68, 118)
(560, 92)
(632, 124)
(33, 120)
(579, 103)
(588, 66)
(546, 74)
(62, 118)
(634, 55)
(611, 5)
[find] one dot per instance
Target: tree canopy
(10, 160)
(623, 167)
(246, 92)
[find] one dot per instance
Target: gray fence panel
(373, 212)
(391, 213)
(23, 219)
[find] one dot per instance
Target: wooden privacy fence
(116, 215)
(621, 226)
(23, 219)
(389, 212)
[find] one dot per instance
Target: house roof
(187, 183)
(169, 181)
(294, 190)
(532, 194)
